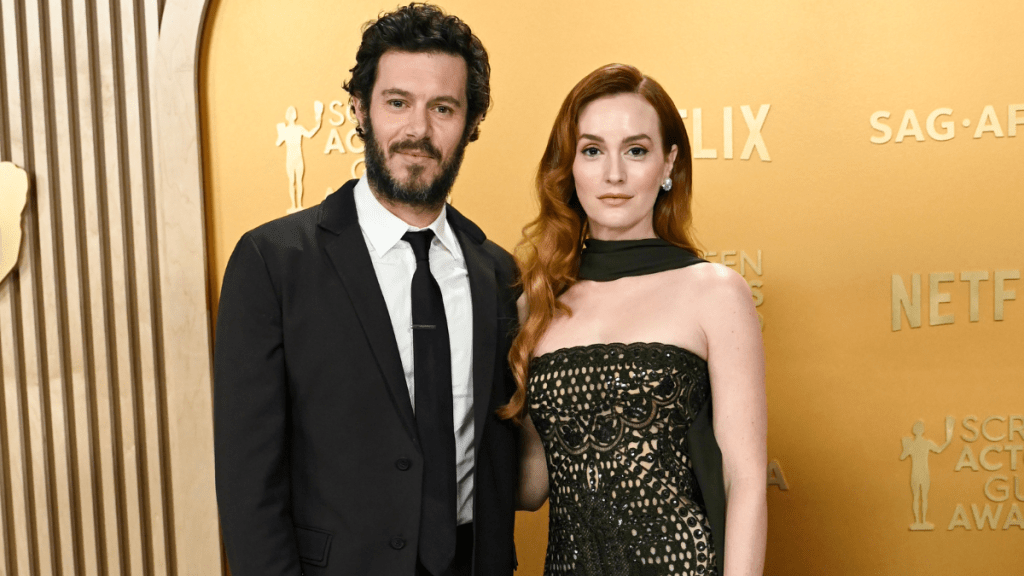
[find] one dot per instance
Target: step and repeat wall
(862, 166)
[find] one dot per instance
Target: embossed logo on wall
(941, 126)
(754, 141)
(918, 448)
(13, 199)
(292, 135)
(996, 461)
(908, 302)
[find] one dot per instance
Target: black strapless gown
(624, 500)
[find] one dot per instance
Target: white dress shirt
(395, 263)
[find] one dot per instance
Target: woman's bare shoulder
(708, 278)
(713, 287)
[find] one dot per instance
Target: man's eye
(396, 103)
(444, 110)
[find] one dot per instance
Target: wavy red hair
(549, 253)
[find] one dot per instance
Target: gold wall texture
(860, 163)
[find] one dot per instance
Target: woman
(629, 343)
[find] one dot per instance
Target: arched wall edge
(181, 236)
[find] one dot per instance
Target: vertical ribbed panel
(85, 473)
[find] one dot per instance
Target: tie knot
(420, 242)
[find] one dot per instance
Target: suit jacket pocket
(314, 545)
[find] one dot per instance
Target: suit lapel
(351, 259)
(483, 289)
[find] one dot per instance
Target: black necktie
(434, 422)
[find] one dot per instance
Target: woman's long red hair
(549, 253)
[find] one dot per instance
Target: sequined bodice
(624, 500)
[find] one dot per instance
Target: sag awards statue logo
(292, 135)
(918, 448)
(13, 198)
(992, 453)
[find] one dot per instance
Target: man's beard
(415, 193)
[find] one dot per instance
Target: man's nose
(418, 125)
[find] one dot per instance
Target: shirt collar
(384, 229)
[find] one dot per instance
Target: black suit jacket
(317, 463)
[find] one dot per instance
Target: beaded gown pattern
(624, 498)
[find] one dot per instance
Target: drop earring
(666, 185)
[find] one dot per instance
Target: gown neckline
(625, 345)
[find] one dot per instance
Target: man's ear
(360, 111)
(473, 127)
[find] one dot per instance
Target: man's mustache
(423, 145)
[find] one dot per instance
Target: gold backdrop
(861, 166)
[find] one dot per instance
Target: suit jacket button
(398, 543)
(403, 464)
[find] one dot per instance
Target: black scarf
(607, 260)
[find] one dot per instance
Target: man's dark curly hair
(421, 27)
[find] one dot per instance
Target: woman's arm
(736, 365)
(533, 469)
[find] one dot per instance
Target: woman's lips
(614, 199)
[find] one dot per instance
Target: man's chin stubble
(415, 174)
(416, 186)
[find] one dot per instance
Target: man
(361, 344)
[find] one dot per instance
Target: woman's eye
(637, 152)
(590, 151)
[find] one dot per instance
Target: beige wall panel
(6, 527)
(96, 449)
(132, 41)
(17, 536)
(35, 520)
(129, 495)
(7, 363)
(11, 79)
(53, 382)
(19, 556)
(42, 475)
(47, 551)
(148, 433)
(99, 371)
(181, 241)
(79, 422)
(45, 525)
